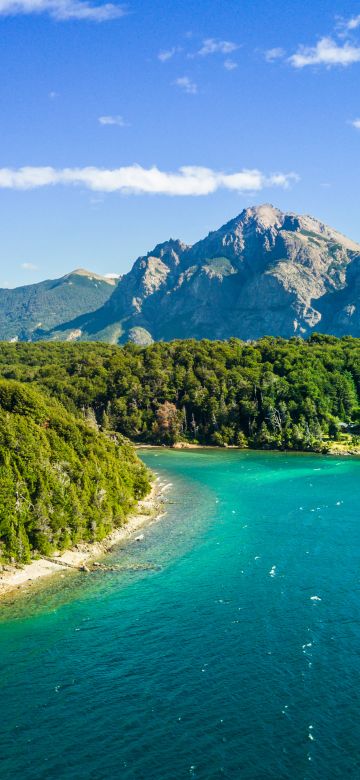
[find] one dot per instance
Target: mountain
(265, 272)
(29, 311)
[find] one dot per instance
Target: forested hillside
(61, 481)
(272, 393)
(27, 312)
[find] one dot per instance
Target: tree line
(273, 393)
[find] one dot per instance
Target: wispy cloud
(271, 55)
(326, 52)
(230, 65)
(352, 24)
(63, 10)
(187, 85)
(29, 267)
(53, 95)
(117, 120)
(214, 46)
(209, 47)
(133, 179)
(355, 123)
(167, 54)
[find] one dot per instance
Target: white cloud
(112, 276)
(352, 24)
(230, 65)
(29, 267)
(326, 52)
(355, 123)
(133, 179)
(167, 54)
(63, 10)
(271, 55)
(112, 120)
(213, 46)
(187, 85)
(53, 95)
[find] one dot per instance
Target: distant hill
(37, 308)
(265, 272)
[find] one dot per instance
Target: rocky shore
(84, 557)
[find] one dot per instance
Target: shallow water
(235, 655)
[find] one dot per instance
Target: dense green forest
(61, 480)
(272, 393)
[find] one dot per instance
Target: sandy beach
(82, 556)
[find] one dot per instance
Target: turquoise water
(235, 656)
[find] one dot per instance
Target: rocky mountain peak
(168, 247)
(265, 272)
(264, 216)
(169, 251)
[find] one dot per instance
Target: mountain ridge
(265, 272)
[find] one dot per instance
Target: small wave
(315, 598)
(272, 571)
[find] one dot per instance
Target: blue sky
(123, 125)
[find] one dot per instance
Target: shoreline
(16, 579)
(338, 449)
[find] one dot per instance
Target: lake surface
(236, 655)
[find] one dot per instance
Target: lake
(232, 653)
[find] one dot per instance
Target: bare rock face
(263, 273)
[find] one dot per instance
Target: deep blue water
(237, 656)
